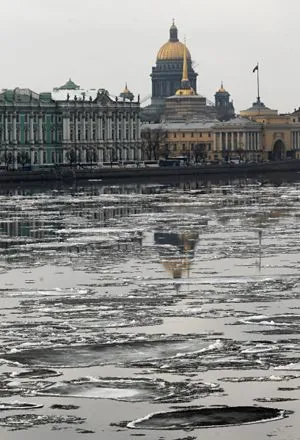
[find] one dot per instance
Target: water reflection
(176, 251)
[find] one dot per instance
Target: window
(209, 135)
(183, 135)
(192, 135)
(174, 135)
(44, 157)
(200, 135)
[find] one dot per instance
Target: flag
(255, 68)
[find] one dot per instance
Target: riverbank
(73, 174)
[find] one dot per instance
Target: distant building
(257, 134)
(224, 107)
(68, 125)
(280, 134)
(167, 74)
(167, 80)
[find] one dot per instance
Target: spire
(173, 32)
(185, 83)
(186, 88)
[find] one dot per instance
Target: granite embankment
(71, 174)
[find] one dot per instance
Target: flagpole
(258, 97)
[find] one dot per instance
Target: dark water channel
(161, 310)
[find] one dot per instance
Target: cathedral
(181, 123)
(173, 70)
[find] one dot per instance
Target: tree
(153, 143)
(91, 156)
(200, 152)
(71, 157)
(23, 157)
(8, 158)
(240, 152)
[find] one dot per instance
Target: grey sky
(102, 43)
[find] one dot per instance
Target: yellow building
(280, 134)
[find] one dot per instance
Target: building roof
(238, 122)
(258, 108)
(69, 85)
(81, 95)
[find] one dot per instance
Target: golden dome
(172, 50)
(185, 92)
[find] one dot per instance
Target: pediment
(103, 97)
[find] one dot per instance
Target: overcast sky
(103, 43)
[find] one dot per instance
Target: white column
(83, 125)
(40, 129)
(131, 128)
(124, 127)
(92, 125)
(100, 155)
(137, 125)
(6, 129)
(14, 127)
(99, 127)
(31, 129)
(76, 124)
(65, 129)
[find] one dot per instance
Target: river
(154, 309)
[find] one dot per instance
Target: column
(83, 126)
(40, 123)
(14, 128)
(92, 125)
(100, 155)
(6, 129)
(76, 124)
(131, 127)
(98, 127)
(31, 129)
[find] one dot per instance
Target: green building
(68, 125)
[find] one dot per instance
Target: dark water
(126, 299)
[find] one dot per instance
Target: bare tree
(8, 158)
(71, 157)
(23, 157)
(154, 143)
(200, 152)
(90, 156)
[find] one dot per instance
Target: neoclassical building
(166, 78)
(68, 125)
(167, 74)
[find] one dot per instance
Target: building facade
(280, 133)
(66, 126)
